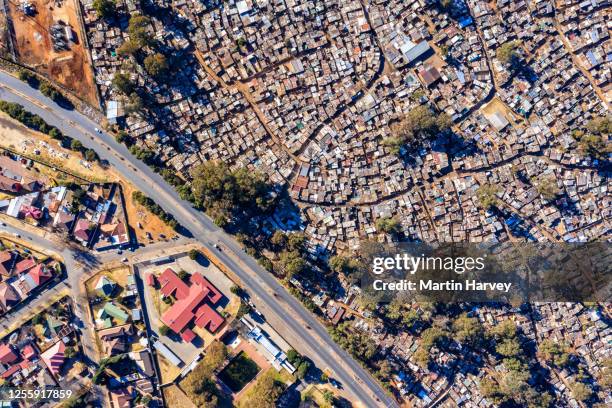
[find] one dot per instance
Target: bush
(30, 78)
(194, 254)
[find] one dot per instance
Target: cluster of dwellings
(23, 364)
(16, 178)
(194, 303)
(118, 332)
(313, 108)
(96, 219)
(22, 274)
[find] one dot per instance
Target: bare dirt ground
(150, 223)
(34, 47)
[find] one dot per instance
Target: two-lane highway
(286, 314)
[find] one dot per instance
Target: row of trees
(35, 122)
(152, 206)
(45, 87)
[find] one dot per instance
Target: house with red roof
(193, 304)
(8, 296)
(7, 354)
(83, 231)
(54, 357)
(7, 262)
(25, 265)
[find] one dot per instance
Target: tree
(164, 330)
(600, 126)
(217, 187)
(296, 241)
(266, 391)
(394, 144)
(514, 384)
(129, 47)
(194, 254)
(421, 357)
(487, 196)
(389, 225)
(547, 186)
(292, 263)
(104, 8)
(509, 348)
(554, 353)
(137, 29)
(183, 275)
(421, 122)
(581, 391)
(134, 104)
(156, 64)
(76, 145)
(490, 389)
(432, 336)
(505, 329)
(122, 83)
(279, 239)
(328, 396)
(90, 155)
(468, 330)
(244, 309)
(508, 53)
(303, 368)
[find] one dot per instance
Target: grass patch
(239, 372)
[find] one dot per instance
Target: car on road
(3, 224)
(17, 235)
(217, 247)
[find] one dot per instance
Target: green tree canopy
(389, 225)
(420, 123)
(508, 53)
(156, 64)
(105, 8)
(486, 196)
(468, 329)
(122, 83)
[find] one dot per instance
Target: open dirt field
(39, 146)
(34, 47)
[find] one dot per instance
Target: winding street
(285, 313)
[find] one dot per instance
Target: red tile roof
(54, 357)
(24, 265)
(190, 305)
(207, 317)
(188, 335)
(171, 284)
(40, 274)
(7, 355)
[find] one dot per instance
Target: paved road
(286, 314)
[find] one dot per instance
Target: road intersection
(285, 313)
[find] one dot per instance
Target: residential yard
(176, 398)
(34, 46)
(117, 275)
(260, 387)
(239, 372)
(168, 371)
